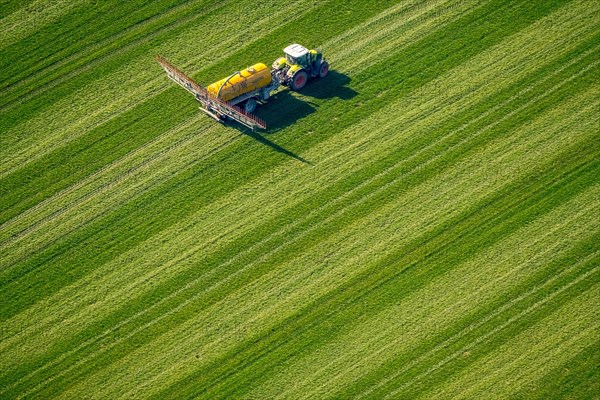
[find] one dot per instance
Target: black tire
(323, 69)
(299, 80)
(250, 105)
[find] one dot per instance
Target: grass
(439, 241)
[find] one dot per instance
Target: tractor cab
(296, 54)
(298, 65)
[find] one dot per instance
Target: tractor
(298, 65)
(236, 96)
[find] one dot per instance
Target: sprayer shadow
(334, 85)
(285, 108)
(263, 140)
(281, 111)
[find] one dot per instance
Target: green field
(423, 223)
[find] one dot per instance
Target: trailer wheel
(324, 69)
(299, 80)
(250, 105)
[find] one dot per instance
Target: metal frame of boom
(211, 105)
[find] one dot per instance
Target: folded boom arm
(213, 106)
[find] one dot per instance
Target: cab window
(290, 60)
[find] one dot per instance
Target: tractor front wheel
(299, 80)
(324, 70)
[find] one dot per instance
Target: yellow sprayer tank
(252, 78)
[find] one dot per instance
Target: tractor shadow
(334, 85)
(269, 143)
(284, 108)
(280, 111)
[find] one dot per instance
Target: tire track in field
(433, 218)
(58, 196)
(441, 346)
(343, 48)
(573, 337)
(179, 307)
(109, 187)
(134, 71)
(135, 193)
(134, 30)
(277, 384)
(497, 329)
(50, 200)
(473, 326)
(336, 201)
(110, 173)
(27, 152)
(438, 13)
(183, 362)
(191, 284)
(419, 33)
(26, 20)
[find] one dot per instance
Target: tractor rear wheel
(299, 80)
(324, 69)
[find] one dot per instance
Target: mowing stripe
(174, 335)
(573, 321)
(60, 66)
(426, 315)
(7, 225)
(279, 233)
(200, 350)
(138, 178)
(200, 323)
(379, 352)
(26, 20)
(479, 323)
(194, 271)
(317, 362)
(95, 103)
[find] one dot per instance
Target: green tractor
(298, 65)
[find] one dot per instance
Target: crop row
(446, 218)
